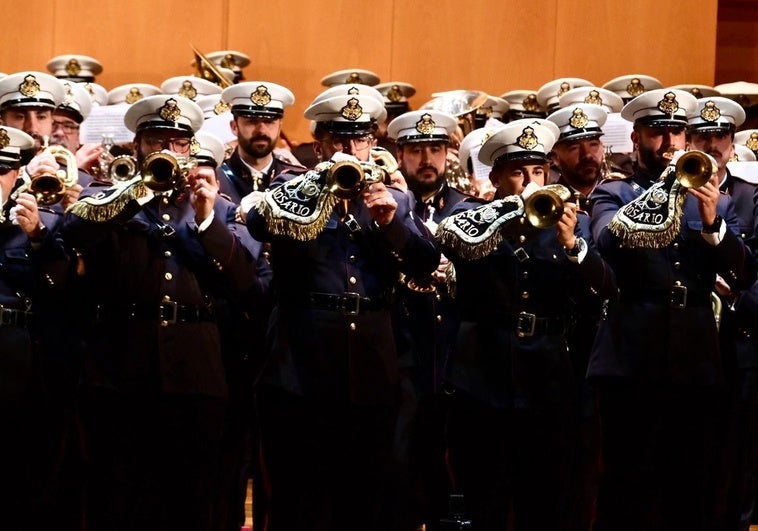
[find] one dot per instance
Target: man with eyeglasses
(153, 256)
(327, 397)
(30, 101)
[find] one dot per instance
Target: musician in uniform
(257, 110)
(711, 130)
(656, 362)
(429, 319)
(328, 396)
(512, 421)
(152, 255)
(33, 268)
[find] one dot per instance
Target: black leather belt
(528, 324)
(676, 297)
(165, 312)
(14, 317)
(347, 303)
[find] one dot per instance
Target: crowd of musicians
(470, 315)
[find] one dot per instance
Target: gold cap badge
(133, 95)
(710, 112)
(221, 107)
(527, 139)
(668, 105)
(354, 77)
(30, 86)
(578, 119)
(73, 67)
(170, 110)
(261, 96)
(5, 140)
(530, 103)
(635, 87)
(752, 142)
(394, 94)
(188, 90)
(352, 110)
(594, 98)
(425, 125)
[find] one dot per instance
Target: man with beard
(579, 152)
(257, 109)
(578, 155)
(711, 129)
(429, 320)
(657, 363)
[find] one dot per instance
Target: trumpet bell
(49, 188)
(122, 168)
(544, 207)
(695, 168)
(162, 171)
(345, 179)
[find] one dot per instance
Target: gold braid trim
(464, 249)
(108, 204)
(660, 237)
(306, 230)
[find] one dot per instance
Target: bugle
(49, 188)
(695, 168)
(162, 171)
(346, 179)
(544, 207)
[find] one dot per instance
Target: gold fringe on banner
(106, 205)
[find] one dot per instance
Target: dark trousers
(150, 460)
(326, 460)
(517, 459)
(661, 454)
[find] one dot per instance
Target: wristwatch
(577, 249)
(713, 227)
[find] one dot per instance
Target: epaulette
(108, 203)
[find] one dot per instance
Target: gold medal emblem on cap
(696, 92)
(91, 90)
(133, 95)
(578, 119)
(354, 77)
(668, 104)
(188, 90)
(527, 139)
(353, 110)
(5, 140)
(228, 62)
(194, 146)
(170, 110)
(563, 89)
(221, 107)
(73, 67)
(710, 112)
(261, 96)
(635, 87)
(530, 103)
(594, 98)
(425, 125)
(752, 142)
(30, 86)
(394, 94)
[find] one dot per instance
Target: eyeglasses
(68, 127)
(356, 143)
(177, 145)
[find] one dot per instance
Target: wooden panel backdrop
(489, 45)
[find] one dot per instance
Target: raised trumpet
(122, 168)
(544, 207)
(346, 179)
(162, 172)
(695, 168)
(49, 188)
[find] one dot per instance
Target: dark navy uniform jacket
(31, 278)
(528, 272)
(662, 327)
(340, 354)
(235, 181)
(148, 258)
(432, 318)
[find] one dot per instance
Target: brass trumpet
(162, 171)
(544, 207)
(695, 168)
(346, 179)
(122, 168)
(49, 188)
